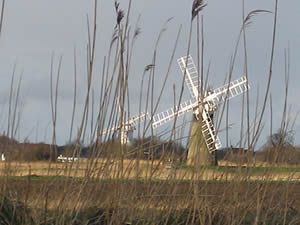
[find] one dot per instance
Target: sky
(36, 29)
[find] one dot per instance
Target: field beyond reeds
(140, 170)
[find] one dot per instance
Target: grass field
(142, 169)
(223, 194)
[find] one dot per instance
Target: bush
(153, 148)
(282, 155)
(14, 212)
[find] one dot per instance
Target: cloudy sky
(36, 29)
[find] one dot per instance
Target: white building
(2, 157)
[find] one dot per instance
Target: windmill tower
(124, 132)
(204, 141)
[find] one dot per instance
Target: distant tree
(279, 148)
(154, 148)
(282, 138)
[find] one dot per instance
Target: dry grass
(108, 169)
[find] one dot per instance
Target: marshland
(111, 112)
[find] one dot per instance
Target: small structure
(61, 158)
(2, 157)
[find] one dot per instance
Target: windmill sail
(228, 91)
(188, 68)
(126, 128)
(212, 141)
(168, 115)
(137, 119)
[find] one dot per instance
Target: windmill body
(203, 136)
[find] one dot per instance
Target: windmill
(203, 139)
(125, 131)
